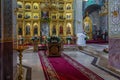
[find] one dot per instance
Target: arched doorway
(99, 24)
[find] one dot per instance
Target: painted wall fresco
(114, 33)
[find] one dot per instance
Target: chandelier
(50, 5)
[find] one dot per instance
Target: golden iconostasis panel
(35, 18)
(61, 29)
(36, 28)
(20, 28)
(69, 28)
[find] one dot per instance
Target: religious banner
(114, 33)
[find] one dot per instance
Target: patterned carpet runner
(65, 68)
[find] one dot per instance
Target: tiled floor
(86, 61)
(31, 59)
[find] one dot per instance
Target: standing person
(81, 42)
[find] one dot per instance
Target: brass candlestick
(20, 49)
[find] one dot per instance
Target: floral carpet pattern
(52, 74)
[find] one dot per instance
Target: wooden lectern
(54, 49)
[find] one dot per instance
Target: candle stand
(20, 49)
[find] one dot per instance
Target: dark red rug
(65, 68)
(97, 41)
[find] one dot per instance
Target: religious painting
(53, 16)
(68, 28)
(61, 16)
(19, 5)
(27, 15)
(87, 26)
(27, 29)
(61, 29)
(27, 6)
(35, 15)
(19, 30)
(69, 6)
(54, 29)
(44, 14)
(35, 6)
(35, 30)
(19, 15)
(61, 6)
(69, 16)
(45, 29)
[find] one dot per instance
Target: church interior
(59, 40)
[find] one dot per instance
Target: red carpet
(97, 41)
(65, 68)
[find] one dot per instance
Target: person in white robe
(81, 39)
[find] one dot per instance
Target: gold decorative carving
(115, 13)
(104, 9)
(88, 26)
(31, 11)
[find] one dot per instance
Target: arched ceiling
(92, 8)
(92, 5)
(91, 2)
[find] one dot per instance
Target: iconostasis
(33, 20)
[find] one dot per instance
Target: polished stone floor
(31, 59)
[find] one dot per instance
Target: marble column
(78, 17)
(14, 31)
(114, 33)
(8, 61)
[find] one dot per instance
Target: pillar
(114, 33)
(8, 61)
(78, 23)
